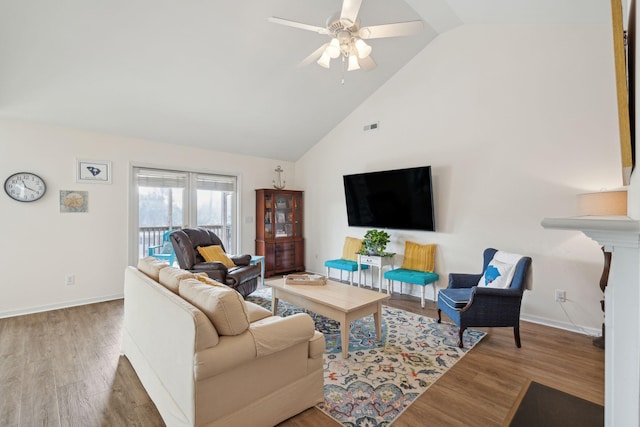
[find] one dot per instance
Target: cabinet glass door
(284, 215)
(268, 218)
(297, 215)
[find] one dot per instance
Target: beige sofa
(208, 358)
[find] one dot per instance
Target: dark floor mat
(548, 407)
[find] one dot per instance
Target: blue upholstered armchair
(468, 304)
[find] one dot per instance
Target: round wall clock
(25, 187)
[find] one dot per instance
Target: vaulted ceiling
(216, 74)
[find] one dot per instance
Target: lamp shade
(603, 203)
(363, 49)
(325, 60)
(333, 50)
(353, 63)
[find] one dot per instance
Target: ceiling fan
(348, 37)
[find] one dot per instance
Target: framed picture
(93, 171)
(74, 201)
(624, 60)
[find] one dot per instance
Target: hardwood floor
(63, 368)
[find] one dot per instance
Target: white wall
(515, 121)
(41, 245)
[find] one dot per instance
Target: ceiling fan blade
(314, 56)
(349, 14)
(367, 63)
(300, 25)
(398, 29)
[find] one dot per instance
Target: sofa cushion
(223, 306)
(151, 266)
(215, 253)
(455, 297)
(170, 278)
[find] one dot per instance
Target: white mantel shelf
(621, 236)
(606, 230)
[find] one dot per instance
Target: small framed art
(93, 171)
(74, 201)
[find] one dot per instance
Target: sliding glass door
(216, 207)
(167, 200)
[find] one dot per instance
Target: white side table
(258, 259)
(375, 261)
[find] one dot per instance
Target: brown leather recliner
(243, 278)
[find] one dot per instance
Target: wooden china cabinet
(279, 230)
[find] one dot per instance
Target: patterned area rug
(380, 379)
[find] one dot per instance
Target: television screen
(400, 199)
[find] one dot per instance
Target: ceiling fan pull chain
(342, 69)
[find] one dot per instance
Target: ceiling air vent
(372, 126)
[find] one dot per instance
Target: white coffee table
(339, 302)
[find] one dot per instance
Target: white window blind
(216, 183)
(161, 178)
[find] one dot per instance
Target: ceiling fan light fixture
(362, 48)
(347, 37)
(333, 50)
(325, 60)
(353, 63)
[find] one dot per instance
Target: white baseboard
(40, 309)
(584, 330)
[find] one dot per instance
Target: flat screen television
(398, 199)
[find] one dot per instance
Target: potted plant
(375, 242)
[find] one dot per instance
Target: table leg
(377, 319)
(274, 303)
(262, 271)
(344, 335)
(380, 278)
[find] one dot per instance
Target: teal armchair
(165, 250)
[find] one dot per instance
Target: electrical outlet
(561, 295)
(69, 279)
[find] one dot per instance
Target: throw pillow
(224, 307)
(419, 257)
(351, 248)
(497, 275)
(215, 253)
